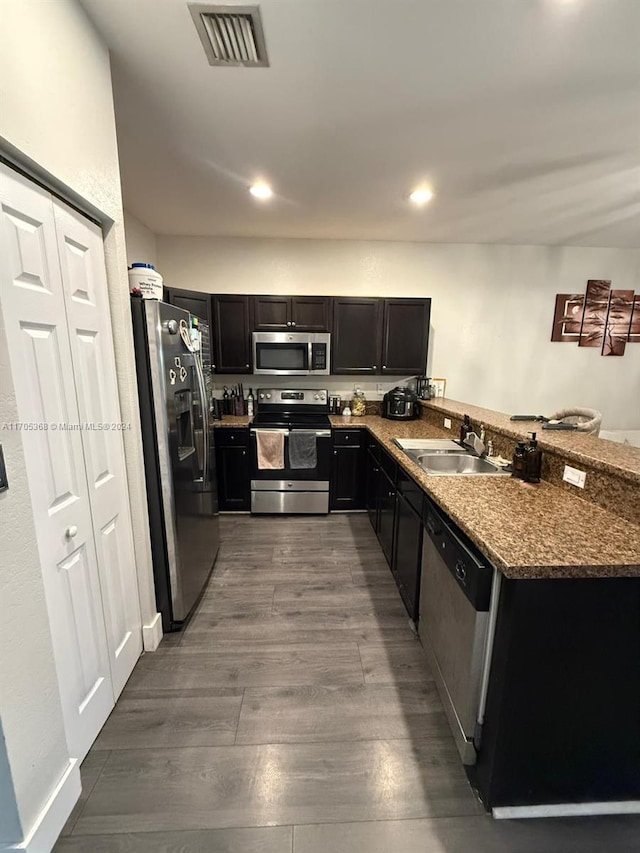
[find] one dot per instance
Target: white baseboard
(566, 810)
(53, 816)
(152, 634)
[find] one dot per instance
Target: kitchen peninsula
(561, 728)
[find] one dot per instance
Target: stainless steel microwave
(292, 353)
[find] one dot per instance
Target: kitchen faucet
(474, 441)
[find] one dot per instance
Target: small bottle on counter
(517, 462)
(490, 448)
(250, 403)
(532, 461)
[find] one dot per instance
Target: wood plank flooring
(296, 712)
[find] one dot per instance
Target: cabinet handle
(335, 452)
(293, 324)
(374, 367)
(246, 365)
(288, 322)
(384, 366)
(244, 452)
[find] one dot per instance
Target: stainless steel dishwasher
(456, 623)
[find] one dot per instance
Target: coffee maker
(424, 388)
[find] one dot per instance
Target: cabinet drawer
(231, 437)
(347, 437)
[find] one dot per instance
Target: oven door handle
(320, 433)
(260, 429)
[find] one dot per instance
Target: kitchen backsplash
(374, 388)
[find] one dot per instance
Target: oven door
(281, 354)
(292, 490)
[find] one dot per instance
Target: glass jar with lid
(358, 403)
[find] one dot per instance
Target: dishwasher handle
(471, 570)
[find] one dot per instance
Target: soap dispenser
(532, 461)
(518, 461)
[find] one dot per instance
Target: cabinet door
(357, 334)
(310, 313)
(85, 288)
(371, 489)
(408, 554)
(35, 322)
(347, 480)
(233, 478)
(232, 336)
(405, 336)
(271, 313)
(386, 514)
(192, 301)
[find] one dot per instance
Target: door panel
(406, 336)
(357, 333)
(36, 327)
(89, 321)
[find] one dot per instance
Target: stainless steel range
(290, 451)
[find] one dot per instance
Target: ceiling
(523, 116)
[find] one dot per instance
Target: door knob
(71, 531)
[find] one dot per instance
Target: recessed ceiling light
(421, 195)
(262, 191)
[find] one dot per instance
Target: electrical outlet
(447, 423)
(574, 476)
(379, 388)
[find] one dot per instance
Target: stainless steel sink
(456, 463)
(428, 445)
(445, 458)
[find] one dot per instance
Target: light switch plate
(447, 423)
(574, 476)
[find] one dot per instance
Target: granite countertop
(528, 531)
(621, 460)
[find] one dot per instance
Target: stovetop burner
(286, 420)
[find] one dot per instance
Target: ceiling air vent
(230, 35)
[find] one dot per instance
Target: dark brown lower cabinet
(372, 468)
(233, 473)
(407, 552)
(386, 514)
(347, 477)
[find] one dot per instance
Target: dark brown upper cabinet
(192, 301)
(380, 336)
(356, 343)
(290, 313)
(405, 336)
(231, 334)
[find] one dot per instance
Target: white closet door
(85, 288)
(36, 327)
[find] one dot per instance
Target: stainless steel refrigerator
(179, 456)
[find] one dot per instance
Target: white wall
(492, 309)
(141, 242)
(57, 119)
